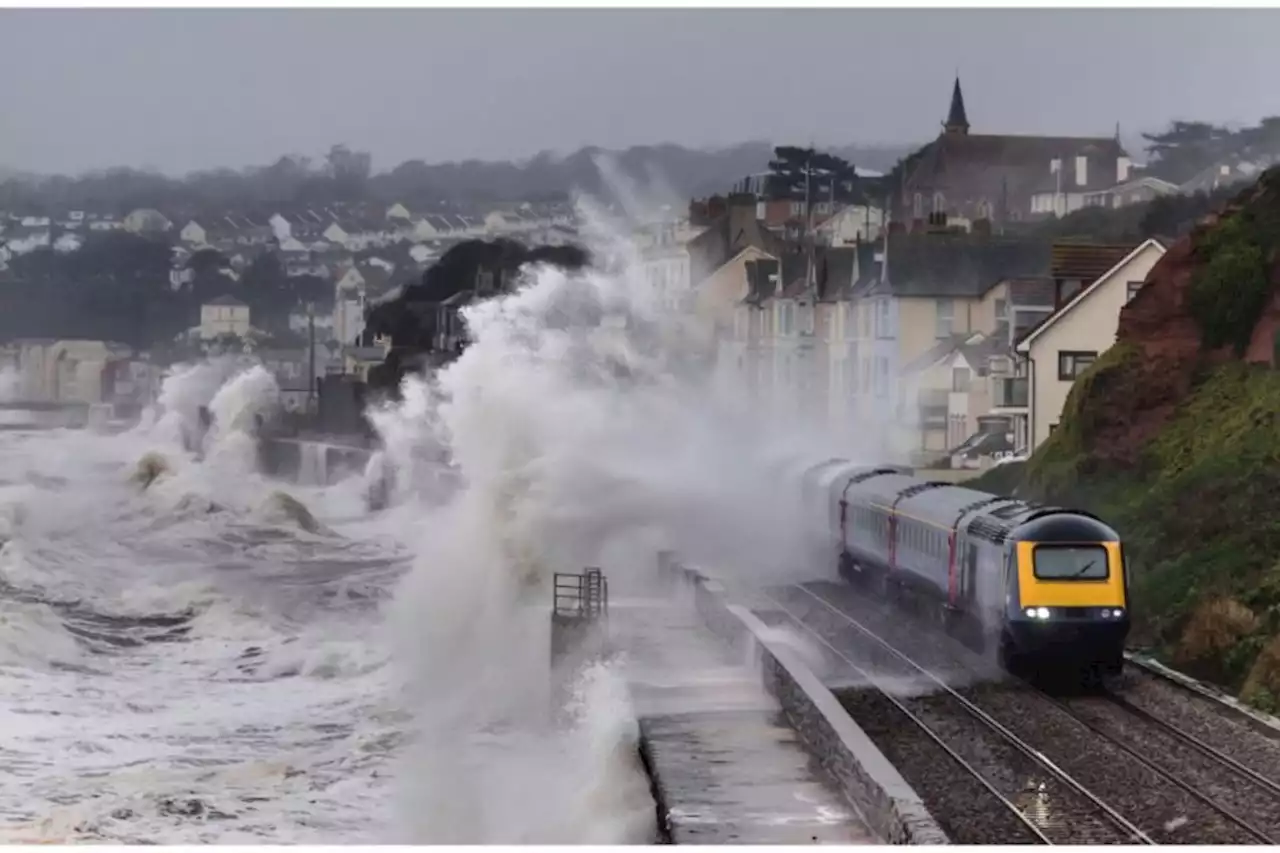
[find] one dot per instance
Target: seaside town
(640, 426)
(949, 302)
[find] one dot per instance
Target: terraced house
(918, 300)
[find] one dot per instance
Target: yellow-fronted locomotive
(1048, 585)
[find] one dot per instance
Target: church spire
(957, 121)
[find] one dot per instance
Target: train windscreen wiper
(1087, 566)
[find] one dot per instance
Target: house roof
(1086, 261)
(227, 299)
(1031, 291)
(973, 166)
(941, 349)
(943, 266)
(1024, 345)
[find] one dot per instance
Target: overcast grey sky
(184, 89)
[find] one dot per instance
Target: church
(1005, 178)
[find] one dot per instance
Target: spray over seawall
(586, 424)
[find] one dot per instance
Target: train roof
(839, 475)
(1056, 524)
(983, 514)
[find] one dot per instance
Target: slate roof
(951, 266)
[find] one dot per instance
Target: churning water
(190, 652)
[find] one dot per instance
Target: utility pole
(311, 357)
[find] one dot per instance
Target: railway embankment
(1173, 437)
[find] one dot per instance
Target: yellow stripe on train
(1034, 592)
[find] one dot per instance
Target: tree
(349, 171)
(805, 173)
(1187, 147)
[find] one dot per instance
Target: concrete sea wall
(311, 462)
(868, 780)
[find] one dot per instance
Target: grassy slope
(1200, 508)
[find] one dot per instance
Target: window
(946, 317)
(1134, 287)
(786, 318)
(960, 379)
(917, 206)
(797, 208)
(1070, 562)
(939, 203)
(1071, 364)
(1002, 310)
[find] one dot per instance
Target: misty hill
(687, 172)
(345, 176)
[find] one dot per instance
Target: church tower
(957, 123)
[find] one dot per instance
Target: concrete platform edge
(871, 784)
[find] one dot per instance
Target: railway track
(1051, 806)
(1242, 795)
(1165, 784)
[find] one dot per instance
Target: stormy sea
(192, 652)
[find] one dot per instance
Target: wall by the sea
(311, 462)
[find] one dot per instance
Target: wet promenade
(729, 769)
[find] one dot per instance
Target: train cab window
(1070, 562)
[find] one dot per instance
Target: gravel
(963, 807)
(1245, 798)
(1162, 808)
(970, 812)
(1204, 718)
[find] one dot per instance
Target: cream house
(193, 233)
(933, 292)
(65, 371)
(1070, 340)
(225, 315)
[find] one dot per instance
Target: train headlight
(1037, 612)
(1117, 613)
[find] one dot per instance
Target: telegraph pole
(311, 357)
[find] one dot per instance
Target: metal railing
(582, 596)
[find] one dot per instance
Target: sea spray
(587, 419)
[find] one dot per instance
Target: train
(1047, 586)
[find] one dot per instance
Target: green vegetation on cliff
(1178, 447)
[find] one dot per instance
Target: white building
(225, 315)
(1069, 341)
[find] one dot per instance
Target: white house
(850, 224)
(225, 315)
(1069, 341)
(336, 234)
(1071, 182)
(146, 220)
(1136, 191)
(193, 233)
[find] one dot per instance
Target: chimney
(762, 278)
(1123, 164)
(1082, 170)
(743, 228)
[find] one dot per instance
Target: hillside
(1172, 436)
(665, 173)
(687, 172)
